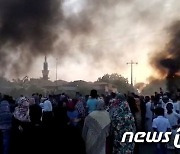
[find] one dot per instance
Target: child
(161, 124)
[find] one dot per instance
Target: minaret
(45, 71)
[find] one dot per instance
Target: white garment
(173, 118)
(102, 117)
(47, 106)
(177, 106)
(161, 124)
(149, 113)
(149, 116)
(95, 131)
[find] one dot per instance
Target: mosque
(45, 71)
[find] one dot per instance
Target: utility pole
(56, 71)
(132, 63)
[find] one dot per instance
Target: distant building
(105, 87)
(45, 71)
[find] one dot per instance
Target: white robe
(149, 116)
(95, 131)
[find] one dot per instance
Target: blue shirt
(72, 116)
(92, 104)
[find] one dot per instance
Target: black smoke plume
(27, 29)
(167, 62)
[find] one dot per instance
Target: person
(161, 124)
(73, 116)
(122, 120)
(165, 100)
(5, 124)
(149, 114)
(82, 112)
(173, 118)
(132, 104)
(60, 115)
(96, 129)
(177, 105)
(80, 108)
(112, 104)
(47, 112)
(143, 112)
(36, 98)
(138, 118)
(34, 136)
(21, 113)
(31, 101)
(65, 136)
(92, 101)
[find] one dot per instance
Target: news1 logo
(150, 137)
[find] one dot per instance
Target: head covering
(22, 111)
(100, 104)
(32, 101)
(21, 99)
(120, 97)
(122, 121)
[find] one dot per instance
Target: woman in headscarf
(20, 124)
(122, 121)
(21, 115)
(96, 130)
(21, 112)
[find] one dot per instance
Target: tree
(118, 81)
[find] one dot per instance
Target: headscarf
(100, 104)
(121, 97)
(122, 121)
(22, 111)
(32, 101)
(80, 108)
(114, 103)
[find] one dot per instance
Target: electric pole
(132, 63)
(56, 71)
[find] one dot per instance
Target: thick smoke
(27, 29)
(31, 28)
(167, 62)
(104, 33)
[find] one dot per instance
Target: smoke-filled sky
(88, 37)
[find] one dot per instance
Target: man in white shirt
(47, 112)
(173, 118)
(47, 106)
(161, 124)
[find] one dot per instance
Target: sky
(103, 38)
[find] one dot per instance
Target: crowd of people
(92, 124)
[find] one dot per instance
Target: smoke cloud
(167, 61)
(26, 31)
(103, 33)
